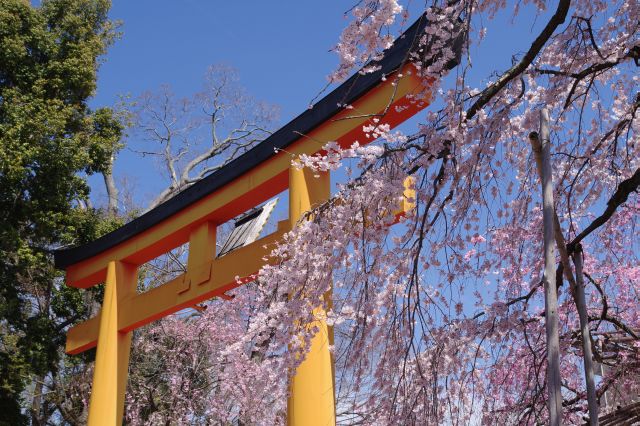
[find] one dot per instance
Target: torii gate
(193, 215)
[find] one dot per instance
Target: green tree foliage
(49, 142)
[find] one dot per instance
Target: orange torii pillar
(312, 395)
(112, 354)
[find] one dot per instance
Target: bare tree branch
(556, 20)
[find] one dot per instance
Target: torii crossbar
(393, 93)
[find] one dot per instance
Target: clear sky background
(280, 48)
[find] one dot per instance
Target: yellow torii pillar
(312, 395)
(112, 354)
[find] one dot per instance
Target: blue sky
(272, 44)
(280, 49)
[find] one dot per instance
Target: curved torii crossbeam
(193, 215)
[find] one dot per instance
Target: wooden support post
(106, 406)
(581, 303)
(312, 399)
(542, 151)
(202, 250)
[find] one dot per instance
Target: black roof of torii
(349, 91)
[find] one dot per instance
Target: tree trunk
(586, 339)
(36, 403)
(112, 189)
(541, 149)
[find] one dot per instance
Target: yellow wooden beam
(200, 268)
(143, 308)
(408, 201)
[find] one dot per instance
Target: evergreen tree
(49, 142)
